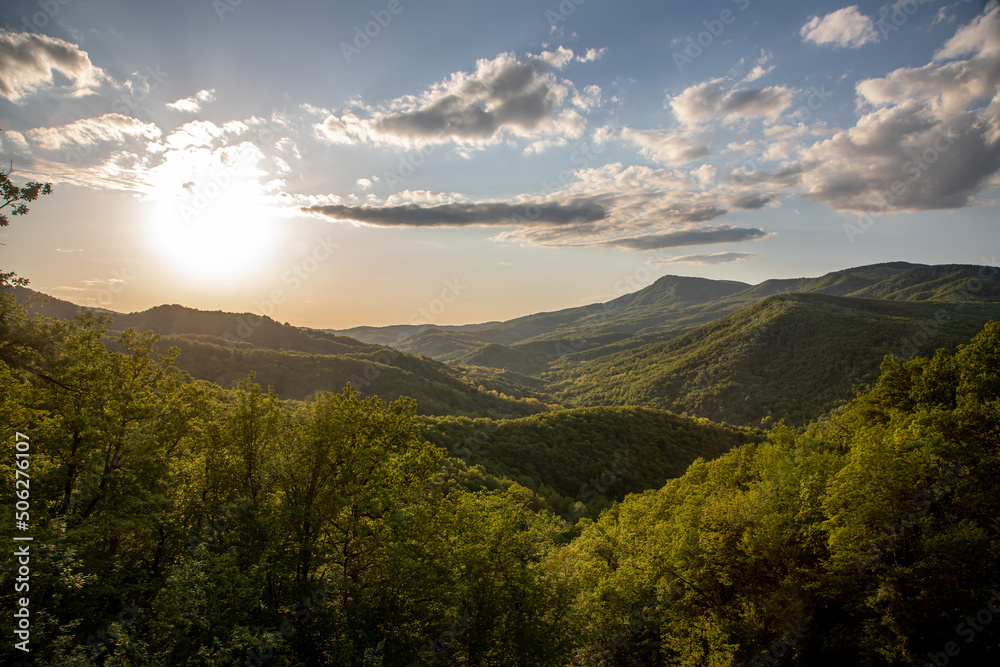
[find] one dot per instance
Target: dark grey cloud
(687, 237)
(708, 259)
(704, 102)
(460, 214)
(511, 93)
(753, 200)
(698, 214)
(787, 176)
(754, 101)
(505, 96)
(938, 169)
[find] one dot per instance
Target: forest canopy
(179, 523)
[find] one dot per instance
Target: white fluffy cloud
(931, 137)
(844, 28)
(201, 133)
(194, 103)
(706, 102)
(111, 127)
(28, 62)
(669, 148)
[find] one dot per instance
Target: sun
(217, 232)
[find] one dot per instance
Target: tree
(11, 195)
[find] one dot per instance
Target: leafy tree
(17, 198)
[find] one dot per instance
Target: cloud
(592, 55)
(28, 61)
(704, 102)
(111, 127)
(558, 58)
(753, 200)
(121, 170)
(931, 136)
(504, 97)
(200, 133)
(16, 140)
(708, 259)
(464, 214)
(786, 176)
(364, 183)
(687, 237)
(759, 70)
(669, 148)
(194, 103)
(641, 201)
(844, 28)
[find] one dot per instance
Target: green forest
(176, 522)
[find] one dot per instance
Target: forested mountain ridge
(585, 453)
(751, 355)
(871, 540)
(176, 522)
(677, 302)
(792, 357)
(224, 348)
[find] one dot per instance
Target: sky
(416, 161)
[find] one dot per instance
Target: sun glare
(214, 229)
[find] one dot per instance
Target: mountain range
(791, 349)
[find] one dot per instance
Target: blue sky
(335, 166)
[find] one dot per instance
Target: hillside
(792, 357)
(679, 303)
(583, 454)
(782, 349)
(226, 347)
(374, 371)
